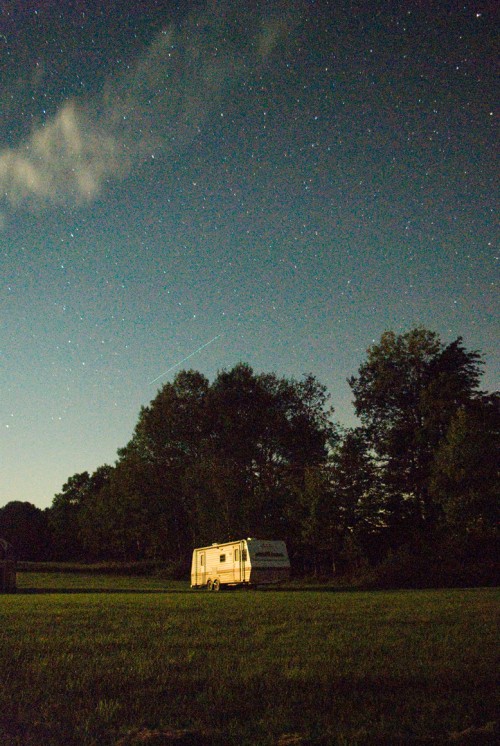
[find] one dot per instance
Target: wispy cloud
(65, 160)
(157, 105)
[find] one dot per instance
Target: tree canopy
(406, 395)
(210, 461)
(25, 527)
(258, 454)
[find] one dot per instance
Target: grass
(91, 582)
(156, 663)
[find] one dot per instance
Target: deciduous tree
(406, 394)
(465, 478)
(25, 527)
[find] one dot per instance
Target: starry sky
(194, 184)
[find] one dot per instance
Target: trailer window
(222, 558)
(244, 555)
(236, 555)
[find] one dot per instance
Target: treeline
(414, 489)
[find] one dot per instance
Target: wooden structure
(7, 568)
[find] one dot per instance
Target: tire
(209, 585)
(216, 585)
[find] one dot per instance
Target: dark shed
(7, 568)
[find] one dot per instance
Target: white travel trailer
(243, 562)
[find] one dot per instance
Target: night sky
(195, 184)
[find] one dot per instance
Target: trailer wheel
(209, 585)
(216, 585)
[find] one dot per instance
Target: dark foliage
(26, 527)
(409, 498)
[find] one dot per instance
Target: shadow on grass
(183, 591)
(114, 591)
(279, 589)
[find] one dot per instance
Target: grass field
(127, 661)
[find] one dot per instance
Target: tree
(150, 476)
(172, 428)
(67, 509)
(340, 511)
(271, 430)
(25, 527)
(119, 521)
(355, 485)
(406, 395)
(465, 478)
(211, 461)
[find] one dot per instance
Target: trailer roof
(235, 541)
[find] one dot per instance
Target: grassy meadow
(107, 660)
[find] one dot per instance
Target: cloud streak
(156, 107)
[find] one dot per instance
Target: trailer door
(237, 559)
(244, 561)
(201, 570)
